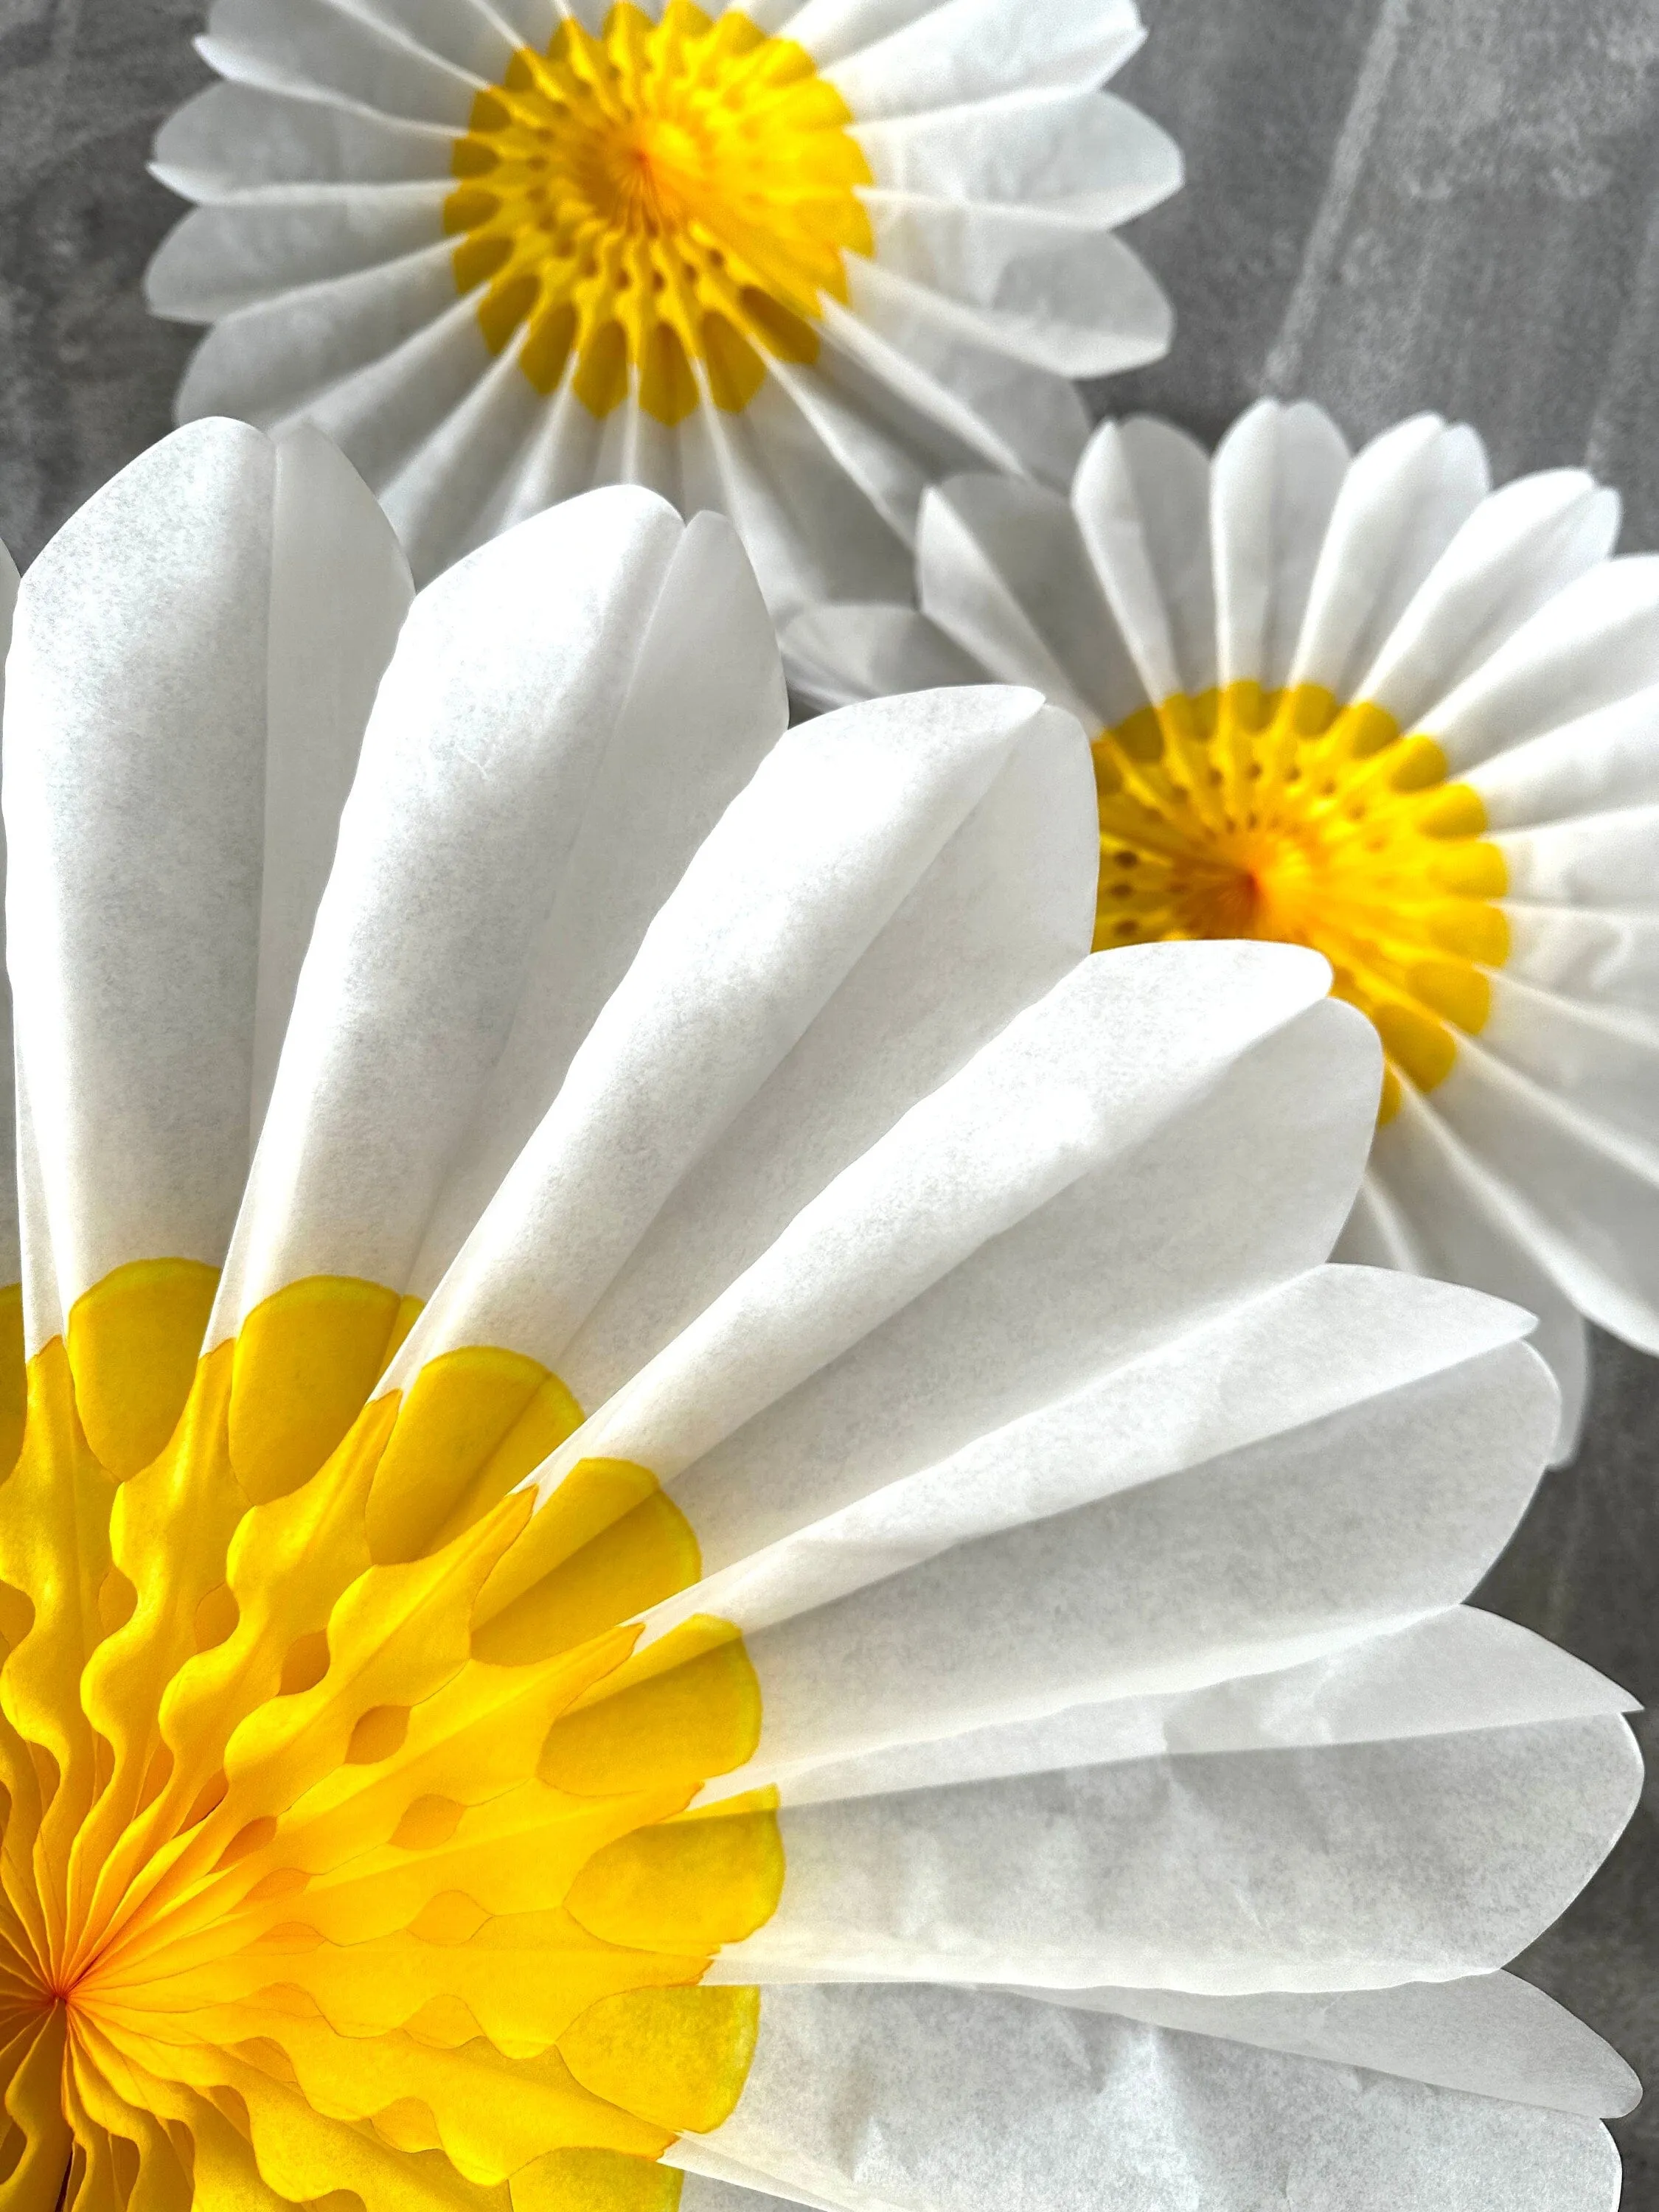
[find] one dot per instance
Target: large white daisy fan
(787, 261)
(757, 1555)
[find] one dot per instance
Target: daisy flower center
(1246, 813)
(340, 1815)
(665, 204)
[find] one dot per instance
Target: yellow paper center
(665, 194)
(346, 1843)
(1246, 813)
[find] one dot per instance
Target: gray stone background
(1391, 204)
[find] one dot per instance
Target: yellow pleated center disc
(1248, 813)
(663, 206)
(344, 1822)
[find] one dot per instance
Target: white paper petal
(1588, 1194)
(1492, 2035)
(1586, 952)
(939, 364)
(1604, 1059)
(810, 530)
(1447, 1673)
(918, 1388)
(1073, 300)
(1375, 1234)
(847, 441)
(704, 703)
(225, 678)
(1311, 1349)
(1000, 568)
(312, 44)
(968, 50)
(464, 464)
(1592, 644)
(1004, 910)
(685, 1041)
(974, 1160)
(1435, 1208)
(235, 138)
(737, 2191)
(1519, 548)
(534, 22)
(837, 654)
(983, 2100)
(1593, 861)
(830, 29)
(1275, 480)
(1591, 762)
(222, 259)
(140, 650)
(1087, 153)
(1347, 1867)
(489, 727)
(381, 414)
(1142, 498)
(267, 362)
(1270, 1555)
(339, 591)
(1402, 503)
(470, 34)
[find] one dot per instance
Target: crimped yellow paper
(288, 1864)
(1253, 813)
(666, 193)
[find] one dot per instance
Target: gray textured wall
(1404, 203)
(1391, 204)
(86, 375)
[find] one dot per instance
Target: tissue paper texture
(758, 1557)
(789, 262)
(1369, 704)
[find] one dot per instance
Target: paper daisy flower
(1368, 704)
(789, 262)
(758, 1555)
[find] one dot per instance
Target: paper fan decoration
(1370, 705)
(789, 262)
(759, 1558)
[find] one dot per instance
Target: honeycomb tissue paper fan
(1367, 703)
(758, 1557)
(788, 261)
